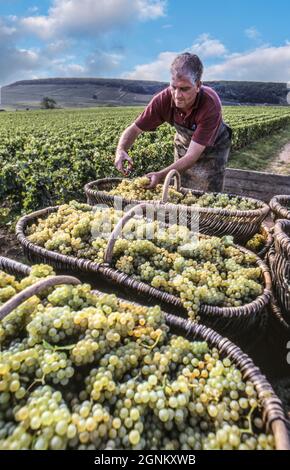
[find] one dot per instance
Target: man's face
(183, 91)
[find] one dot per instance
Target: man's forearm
(128, 137)
(182, 164)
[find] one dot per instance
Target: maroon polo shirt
(204, 117)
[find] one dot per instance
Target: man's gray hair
(187, 65)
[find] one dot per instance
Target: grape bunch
(75, 229)
(10, 286)
(136, 190)
(91, 371)
(257, 242)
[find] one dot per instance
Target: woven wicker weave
(235, 322)
(212, 221)
(279, 261)
(280, 207)
(273, 415)
(14, 267)
(278, 326)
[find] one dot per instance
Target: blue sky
(138, 39)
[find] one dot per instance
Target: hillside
(87, 92)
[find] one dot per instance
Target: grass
(259, 155)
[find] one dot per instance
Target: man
(202, 140)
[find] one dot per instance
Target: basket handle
(120, 225)
(18, 299)
(281, 435)
(14, 267)
(166, 184)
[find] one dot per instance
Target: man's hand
(121, 158)
(155, 178)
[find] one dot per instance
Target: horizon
(136, 80)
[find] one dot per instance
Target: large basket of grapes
(209, 279)
(218, 214)
(279, 261)
(91, 371)
(280, 207)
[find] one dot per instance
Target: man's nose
(178, 93)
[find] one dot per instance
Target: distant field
(46, 157)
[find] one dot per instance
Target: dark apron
(207, 174)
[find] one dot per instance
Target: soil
(281, 163)
(9, 245)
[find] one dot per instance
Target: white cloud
(69, 70)
(90, 17)
(100, 62)
(204, 46)
(252, 33)
(54, 48)
(7, 29)
(265, 63)
(262, 64)
(17, 64)
(157, 70)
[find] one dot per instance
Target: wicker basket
(273, 415)
(236, 322)
(279, 261)
(242, 225)
(280, 207)
(278, 327)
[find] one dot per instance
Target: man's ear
(198, 85)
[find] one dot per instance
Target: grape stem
(154, 344)
(249, 419)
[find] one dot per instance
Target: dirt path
(281, 163)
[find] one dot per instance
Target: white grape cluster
(10, 286)
(76, 230)
(257, 242)
(136, 190)
(94, 372)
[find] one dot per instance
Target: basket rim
(14, 267)
(281, 237)
(275, 308)
(262, 210)
(244, 311)
(277, 206)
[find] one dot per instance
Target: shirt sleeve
(151, 118)
(207, 129)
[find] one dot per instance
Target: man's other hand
(155, 178)
(121, 158)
